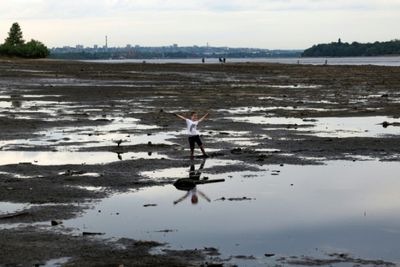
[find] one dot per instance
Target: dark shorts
(194, 139)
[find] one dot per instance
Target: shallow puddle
(66, 158)
(8, 207)
(331, 126)
(288, 86)
(242, 141)
(301, 210)
(249, 110)
(73, 138)
(56, 262)
(355, 127)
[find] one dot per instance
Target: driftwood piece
(13, 215)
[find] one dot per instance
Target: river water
(379, 61)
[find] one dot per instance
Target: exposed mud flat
(76, 133)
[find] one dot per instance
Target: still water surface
(381, 61)
(304, 210)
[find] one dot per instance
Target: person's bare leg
(204, 152)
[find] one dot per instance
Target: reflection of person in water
(191, 188)
(195, 175)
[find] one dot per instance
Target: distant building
(170, 51)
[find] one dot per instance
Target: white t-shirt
(192, 127)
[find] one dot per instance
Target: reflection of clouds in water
(77, 137)
(329, 126)
(323, 203)
(64, 158)
(8, 207)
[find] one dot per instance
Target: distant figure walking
(194, 134)
(203, 60)
(326, 62)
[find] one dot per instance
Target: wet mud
(74, 133)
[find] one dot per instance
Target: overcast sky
(237, 23)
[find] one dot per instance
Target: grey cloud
(42, 9)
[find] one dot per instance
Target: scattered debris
(261, 157)
(386, 124)
(166, 231)
(186, 184)
(56, 222)
(335, 258)
(236, 151)
(211, 251)
(234, 199)
(214, 265)
(13, 215)
(92, 233)
(244, 257)
(72, 173)
(149, 205)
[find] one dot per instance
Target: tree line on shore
(166, 55)
(15, 46)
(355, 49)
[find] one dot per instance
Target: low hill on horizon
(355, 49)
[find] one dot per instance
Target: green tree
(15, 46)
(35, 49)
(14, 36)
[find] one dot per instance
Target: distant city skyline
(268, 24)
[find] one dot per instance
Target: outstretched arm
(204, 117)
(179, 116)
(203, 195)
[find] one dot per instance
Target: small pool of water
(65, 158)
(8, 207)
(331, 126)
(351, 207)
(250, 110)
(73, 138)
(56, 262)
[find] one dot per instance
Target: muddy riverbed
(302, 168)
